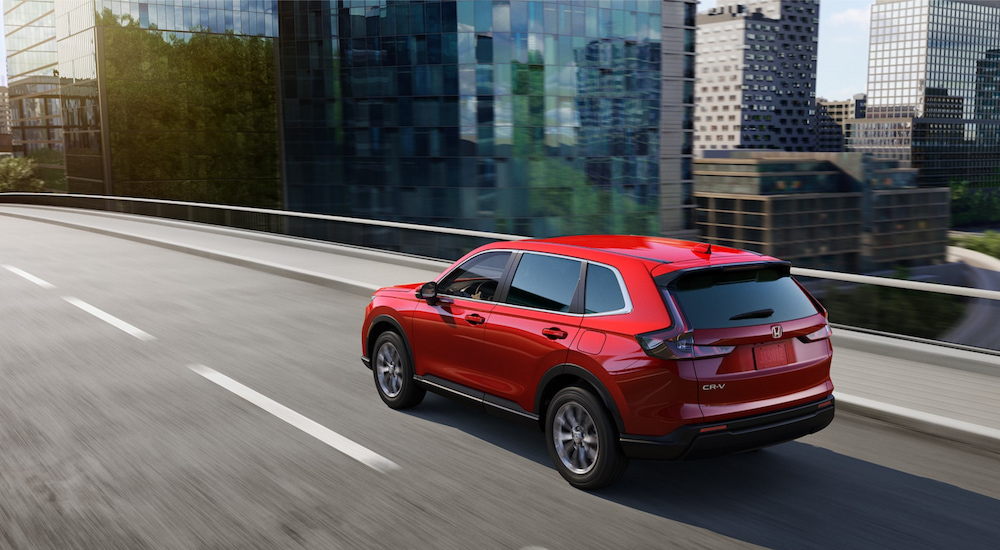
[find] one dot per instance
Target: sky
(843, 47)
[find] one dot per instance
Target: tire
(582, 440)
(393, 371)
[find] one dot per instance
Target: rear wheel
(582, 440)
(393, 370)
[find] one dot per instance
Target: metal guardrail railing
(413, 239)
(420, 240)
(444, 243)
(963, 291)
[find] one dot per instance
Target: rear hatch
(759, 342)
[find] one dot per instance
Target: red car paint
(510, 340)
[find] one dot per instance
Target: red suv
(617, 347)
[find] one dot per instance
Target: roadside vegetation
(972, 206)
(18, 174)
(895, 310)
(987, 243)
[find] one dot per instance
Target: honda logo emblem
(776, 331)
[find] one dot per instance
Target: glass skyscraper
(932, 89)
(36, 119)
(530, 117)
(164, 98)
(170, 99)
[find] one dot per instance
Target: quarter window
(544, 282)
(603, 294)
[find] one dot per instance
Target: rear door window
(740, 298)
(544, 282)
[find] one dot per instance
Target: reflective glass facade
(932, 81)
(538, 118)
(170, 99)
(36, 122)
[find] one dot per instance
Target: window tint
(603, 291)
(544, 282)
(477, 278)
(723, 299)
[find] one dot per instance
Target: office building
(542, 118)
(842, 111)
(832, 121)
(536, 118)
(932, 72)
(5, 128)
(756, 74)
(838, 211)
(32, 76)
(170, 100)
(174, 100)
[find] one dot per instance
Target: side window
(603, 291)
(477, 278)
(544, 282)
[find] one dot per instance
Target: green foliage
(570, 204)
(987, 243)
(18, 174)
(50, 167)
(971, 206)
(192, 116)
(48, 156)
(895, 310)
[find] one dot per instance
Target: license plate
(771, 355)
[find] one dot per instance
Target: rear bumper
(742, 434)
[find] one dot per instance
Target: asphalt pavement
(114, 433)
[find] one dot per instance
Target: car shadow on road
(792, 496)
(796, 496)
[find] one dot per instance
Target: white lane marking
(320, 432)
(110, 319)
(29, 276)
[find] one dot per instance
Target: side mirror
(428, 291)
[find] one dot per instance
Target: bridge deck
(951, 393)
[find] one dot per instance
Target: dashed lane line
(110, 319)
(30, 277)
(324, 434)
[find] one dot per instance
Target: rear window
(740, 298)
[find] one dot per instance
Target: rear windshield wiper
(759, 314)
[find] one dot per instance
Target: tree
(18, 174)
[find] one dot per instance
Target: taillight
(667, 344)
(820, 334)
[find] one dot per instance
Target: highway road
(116, 433)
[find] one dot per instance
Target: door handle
(475, 319)
(554, 333)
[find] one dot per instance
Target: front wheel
(393, 371)
(582, 440)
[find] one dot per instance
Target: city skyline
(843, 47)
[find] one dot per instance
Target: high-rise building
(519, 116)
(172, 100)
(164, 99)
(932, 71)
(538, 118)
(32, 75)
(756, 72)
